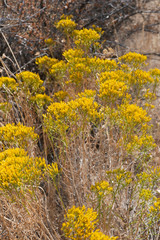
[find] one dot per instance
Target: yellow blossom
(61, 95)
(133, 59)
(66, 24)
(101, 188)
(97, 235)
(17, 169)
(31, 82)
(86, 37)
(145, 194)
(17, 135)
(45, 63)
(10, 83)
(41, 100)
(112, 90)
(53, 170)
(79, 223)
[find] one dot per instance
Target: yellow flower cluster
(58, 118)
(138, 143)
(58, 69)
(133, 122)
(49, 41)
(98, 65)
(8, 83)
(52, 170)
(97, 235)
(131, 116)
(31, 82)
(41, 100)
(78, 112)
(98, 29)
(149, 96)
(140, 78)
(59, 111)
(85, 108)
(45, 63)
(155, 73)
(111, 90)
(17, 135)
(155, 209)
(133, 59)
(17, 169)
(117, 75)
(145, 194)
(72, 55)
(61, 95)
(66, 24)
(149, 178)
(85, 37)
(78, 72)
(78, 67)
(101, 188)
(12, 152)
(87, 94)
(79, 223)
(119, 177)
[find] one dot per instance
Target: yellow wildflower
(10, 83)
(41, 100)
(145, 194)
(79, 223)
(17, 169)
(66, 24)
(97, 235)
(101, 188)
(45, 63)
(17, 135)
(112, 90)
(31, 82)
(85, 37)
(133, 59)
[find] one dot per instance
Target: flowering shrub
(12, 135)
(101, 236)
(85, 37)
(60, 115)
(155, 209)
(93, 122)
(31, 82)
(132, 194)
(101, 188)
(61, 95)
(112, 90)
(17, 169)
(45, 63)
(79, 223)
(66, 24)
(8, 83)
(41, 100)
(133, 59)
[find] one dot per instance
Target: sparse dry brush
(76, 148)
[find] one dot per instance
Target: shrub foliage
(83, 134)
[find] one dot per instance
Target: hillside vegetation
(76, 144)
